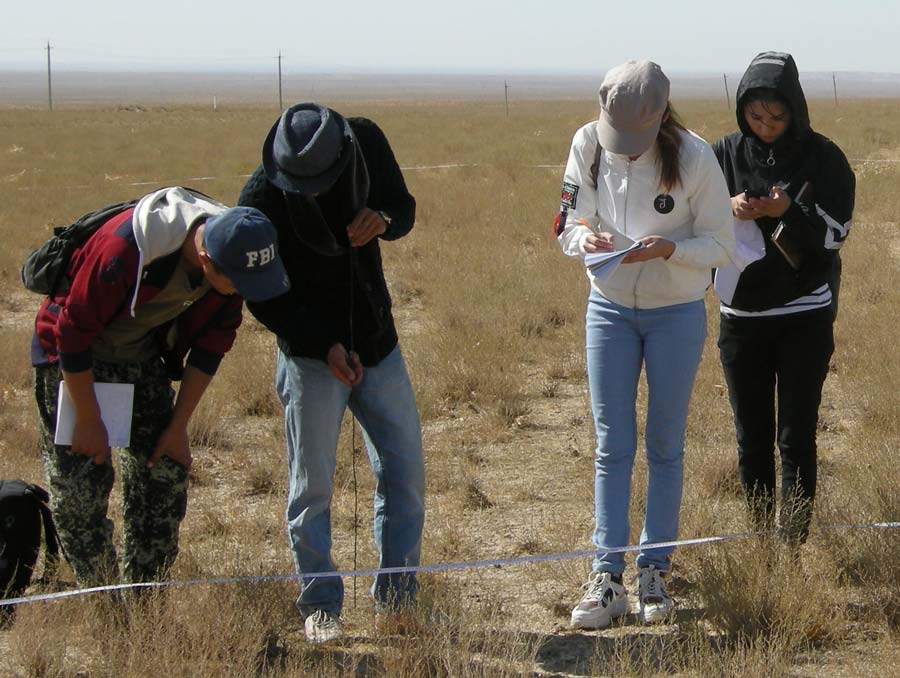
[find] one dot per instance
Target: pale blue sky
(528, 36)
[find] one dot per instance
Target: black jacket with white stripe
(818, 223)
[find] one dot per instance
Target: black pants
(786, 355)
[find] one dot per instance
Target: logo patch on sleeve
(664, 203)
(569, 195)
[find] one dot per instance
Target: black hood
(775, 70)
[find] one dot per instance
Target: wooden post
(49, 80)
(727, 95)
(280, 99)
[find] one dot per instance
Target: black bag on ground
(44, 271)
(23, 511)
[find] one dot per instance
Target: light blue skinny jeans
(668, 342)
(383, 402)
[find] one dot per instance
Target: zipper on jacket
(627, 191)
(625, 224)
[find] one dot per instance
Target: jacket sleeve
(297, 324)
(217, 336)
(712, 243)
(822, 225)
(387, 188)
(103, 274)
(578, 188)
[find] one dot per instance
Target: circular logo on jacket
(664, 203)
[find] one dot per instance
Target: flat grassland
(490, 315)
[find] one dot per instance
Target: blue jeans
(668, 341)
(383, 403)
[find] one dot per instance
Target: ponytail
(668, 143)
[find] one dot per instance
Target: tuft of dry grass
(763, 589)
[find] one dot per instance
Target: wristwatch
(387, 218)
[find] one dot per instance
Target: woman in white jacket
(636, 178)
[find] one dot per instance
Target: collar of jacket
(784, 151)
(621, 162)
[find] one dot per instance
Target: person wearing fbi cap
(155, 294)
(334, 191)
(637, 176)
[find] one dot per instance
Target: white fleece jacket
(629, 203)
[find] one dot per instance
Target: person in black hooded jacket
(793, 196)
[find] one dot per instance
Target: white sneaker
(323, 626)
(655, 603)
(603, 601)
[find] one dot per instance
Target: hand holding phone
(756, 193)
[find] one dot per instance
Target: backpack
(23, 510)
(44, 271)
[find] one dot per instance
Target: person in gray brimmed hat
(637, 178)
(333, 190)
(151, 298)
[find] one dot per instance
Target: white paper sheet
(115, 402)
(603, 264)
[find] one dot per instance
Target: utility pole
(49, 80)
(834, 84)
(727, 95)
(506, 96)
(280, 99)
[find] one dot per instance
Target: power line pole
(280, 99)
(49, 80)
(727, 95)
(506, 96)
(834, 84)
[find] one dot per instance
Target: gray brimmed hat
(307, 149)
(243, 244)
(633, 100)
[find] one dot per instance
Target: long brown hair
(668, 143)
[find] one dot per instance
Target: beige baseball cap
(633, 99)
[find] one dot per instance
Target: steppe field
(490, 315)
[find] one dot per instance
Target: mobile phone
(755, 193)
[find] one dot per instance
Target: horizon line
(368, 72)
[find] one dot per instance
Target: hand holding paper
(90, 439)
(652, 247)
(598, 242)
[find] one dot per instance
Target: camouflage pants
(153, 500)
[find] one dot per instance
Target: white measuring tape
(438, 567)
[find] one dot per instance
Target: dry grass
(491, 319)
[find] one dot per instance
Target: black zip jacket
(819, 222)
(316, 313)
